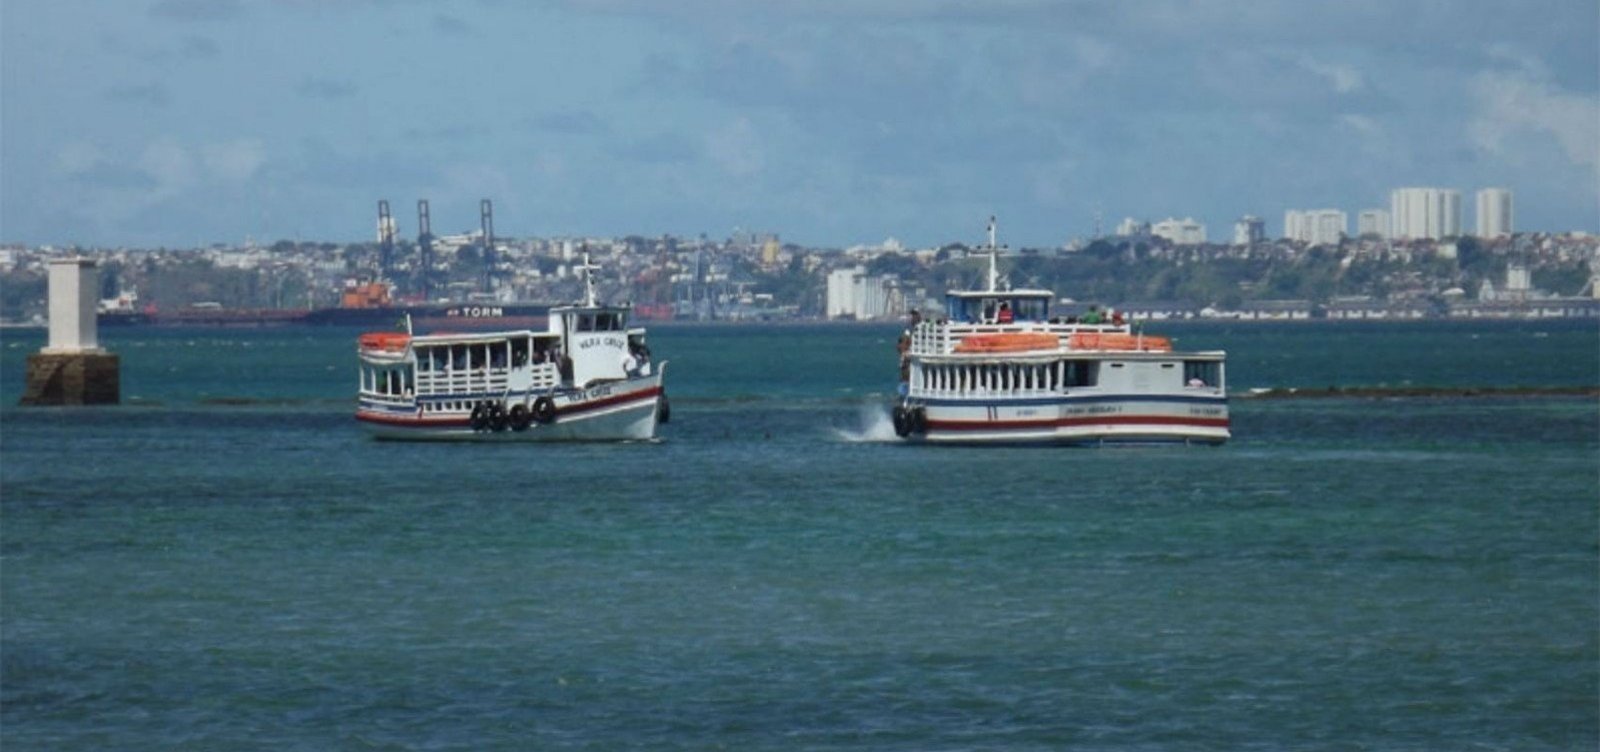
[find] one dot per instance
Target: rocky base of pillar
(92, 378)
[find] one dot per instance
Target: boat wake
(875, 426)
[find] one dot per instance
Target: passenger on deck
(1093, 316)
(630, 363)
(1005, 316)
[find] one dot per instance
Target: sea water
(227, 562)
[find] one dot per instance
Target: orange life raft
(1006, 343)
(387, 341)
(1118, 341)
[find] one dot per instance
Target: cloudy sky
(831, 122)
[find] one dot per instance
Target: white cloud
(736, 148)
(170, 165)
(1513, 107)
(1362, 124)
(1345, 78)
(78, 158)
(234, 161)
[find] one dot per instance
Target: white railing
(542, 377)
(1004, 381)
(933, 338)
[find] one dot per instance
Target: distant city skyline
(187, 122)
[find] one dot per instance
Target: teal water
(226, 562)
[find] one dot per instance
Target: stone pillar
(74, 293)
(73, 369)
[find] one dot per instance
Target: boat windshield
(998, 308)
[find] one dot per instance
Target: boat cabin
(997, 306)
(598, 341)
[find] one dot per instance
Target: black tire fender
(544, 410)
(519, 417)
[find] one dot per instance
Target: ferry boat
(587, 377)
(1002, 369)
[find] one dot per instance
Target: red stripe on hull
(609, 401)
(396, 420)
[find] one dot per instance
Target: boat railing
(941, 338)
(1016, 381)
(385, 398)
(491, 379)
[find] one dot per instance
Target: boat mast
(994, 251)
(588, 282)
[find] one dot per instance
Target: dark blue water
(226, 562)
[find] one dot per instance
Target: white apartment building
(1249, 230)
(1316, 226)
(853, 293)
(1184, 231)
(1373, 222)
(1494, 213)
(1132, 228)
(1424, 213)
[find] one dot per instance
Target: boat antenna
(588, 282)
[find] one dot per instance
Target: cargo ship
(360, 305)
(368, 304)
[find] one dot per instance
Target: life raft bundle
(385, 341)
(1008, 343)
(1118, 341)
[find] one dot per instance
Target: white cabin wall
(597, 355)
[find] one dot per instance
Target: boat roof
(1000, 294)
(475, 337)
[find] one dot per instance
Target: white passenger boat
(1000, 368)
(587, 378)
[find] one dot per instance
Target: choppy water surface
(227, 563)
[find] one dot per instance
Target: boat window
(1080, 373)
(519, 351)
(1202, 373)
(458, 357)
(585, 322)
(1029, 309)
(424, 360)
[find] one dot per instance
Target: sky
(178, 123)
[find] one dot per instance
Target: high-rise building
(1373, 222)
(1316, 226)
(1133, 228)
(854, 293)
(1249, 230)
(1184, 231)
(1494, 213)
(1432, 213)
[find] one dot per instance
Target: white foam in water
(876, 425)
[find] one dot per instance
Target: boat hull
(1087, 420)
(616, 411)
